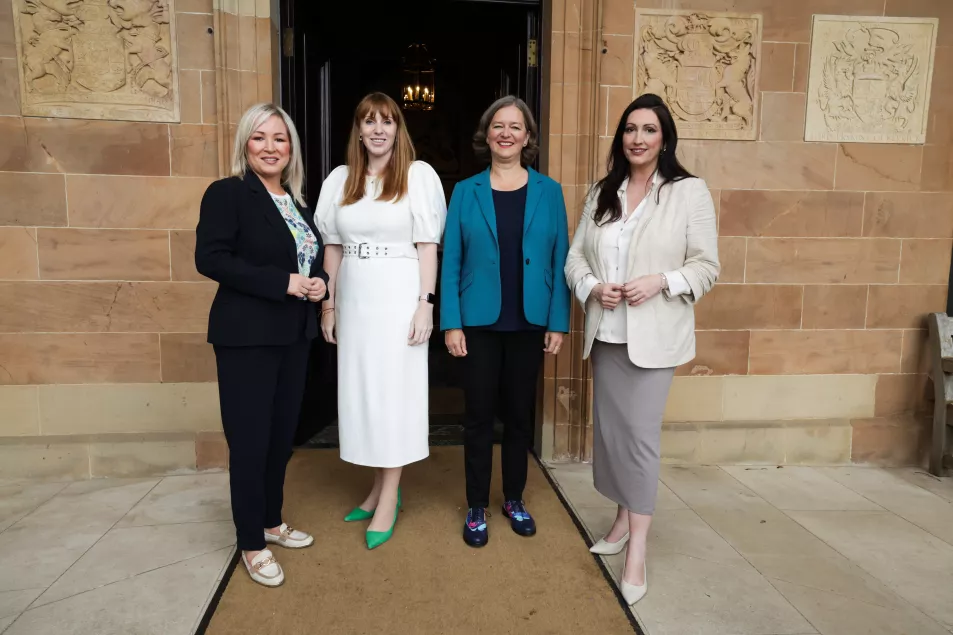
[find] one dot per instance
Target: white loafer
(290, 538)
(264, 569)
(632, 593)
(604, 548)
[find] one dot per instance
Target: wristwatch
(429, 297)
(664, 281)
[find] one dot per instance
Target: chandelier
(418, 78)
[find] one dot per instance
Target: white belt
(380, 250)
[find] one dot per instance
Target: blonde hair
(292, 177)
(395, 177)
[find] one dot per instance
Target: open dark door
(305, 83)
(483, 49)
(531, 82)
(327, 66)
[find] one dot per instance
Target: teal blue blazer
(470, 274)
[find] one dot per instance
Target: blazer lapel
(534, 193)
(650, 207)
(594, 237)
(308, 216)
(484, 195)
(272, 214)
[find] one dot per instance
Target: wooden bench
(941, 347)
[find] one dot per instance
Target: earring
(360, 137)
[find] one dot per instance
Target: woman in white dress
(381, 217)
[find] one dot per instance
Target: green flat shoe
(377, 538)
(358, 514)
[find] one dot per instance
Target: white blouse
(616, 239)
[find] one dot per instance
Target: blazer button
(527, 261)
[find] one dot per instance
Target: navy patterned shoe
(475, 533)
(520, 520)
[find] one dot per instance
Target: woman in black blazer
(257, 239)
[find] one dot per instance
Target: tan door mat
(425, 580)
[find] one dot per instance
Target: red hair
(395, 176)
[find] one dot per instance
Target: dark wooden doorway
(483, 49)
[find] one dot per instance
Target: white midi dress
(382, 380)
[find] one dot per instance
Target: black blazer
(243, 243)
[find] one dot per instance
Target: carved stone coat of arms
(870, 79)
(705, 67)
(97, 59)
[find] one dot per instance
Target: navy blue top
(510, 208)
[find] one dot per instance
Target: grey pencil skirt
(628, 404)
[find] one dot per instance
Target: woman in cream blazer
(645, 250)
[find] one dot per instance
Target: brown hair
(394, 179)
(482, 148)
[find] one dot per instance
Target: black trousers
(502, 369)
(260, 390)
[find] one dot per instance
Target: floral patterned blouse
(305, 240)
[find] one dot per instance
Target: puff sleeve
(326, 211)
(427, 203)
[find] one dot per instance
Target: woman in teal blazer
(503, 302)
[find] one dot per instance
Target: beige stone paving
(740, 550)
(112, 556)
(732, 551)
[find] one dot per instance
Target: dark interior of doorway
(331, 59)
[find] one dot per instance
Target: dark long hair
(608, 207)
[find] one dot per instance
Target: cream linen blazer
(676, 233)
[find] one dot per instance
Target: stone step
(796, 442)
(887, 441)
(83, 456)
(891, 441)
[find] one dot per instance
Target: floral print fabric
(305, 241)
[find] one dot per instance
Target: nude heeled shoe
(604, 548)
(632, 593)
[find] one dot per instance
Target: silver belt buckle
(361, 253)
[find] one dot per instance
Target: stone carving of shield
(695, 92)
(870, 98)
(100, 62)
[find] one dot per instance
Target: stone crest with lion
(97, 59)
(705, 67)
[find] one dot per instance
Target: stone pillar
(573, 72)
(246, 54)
